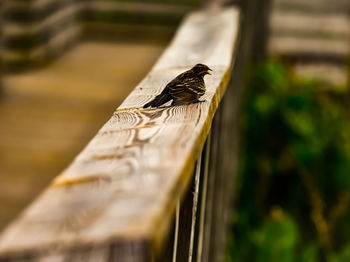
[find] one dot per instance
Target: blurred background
(67, 64)
(292, 194)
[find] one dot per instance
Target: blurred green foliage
(292, 200)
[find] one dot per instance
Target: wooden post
(225, 138)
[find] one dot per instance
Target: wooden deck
(48, 116)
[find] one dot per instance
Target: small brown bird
(184, 89)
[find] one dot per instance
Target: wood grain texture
(123, 187)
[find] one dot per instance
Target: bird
(184, 89)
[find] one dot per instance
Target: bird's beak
(205, 72)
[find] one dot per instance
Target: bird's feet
(181, 103)
(198, 101)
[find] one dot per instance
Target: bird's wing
(192, 85)
(173, 83)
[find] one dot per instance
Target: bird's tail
(158, 100)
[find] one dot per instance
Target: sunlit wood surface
(47, 116)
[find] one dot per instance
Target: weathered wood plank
(310, 25)
(291, 45)
(315, 6)
(113, 31)
(313, 36)
(32, 27)
(136, 7)
(32, 11)
(53, 47)
(131, 12)
(15, 29)
(124, 186)
(35, 4)
(334, 74)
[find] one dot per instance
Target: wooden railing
(151, 185)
